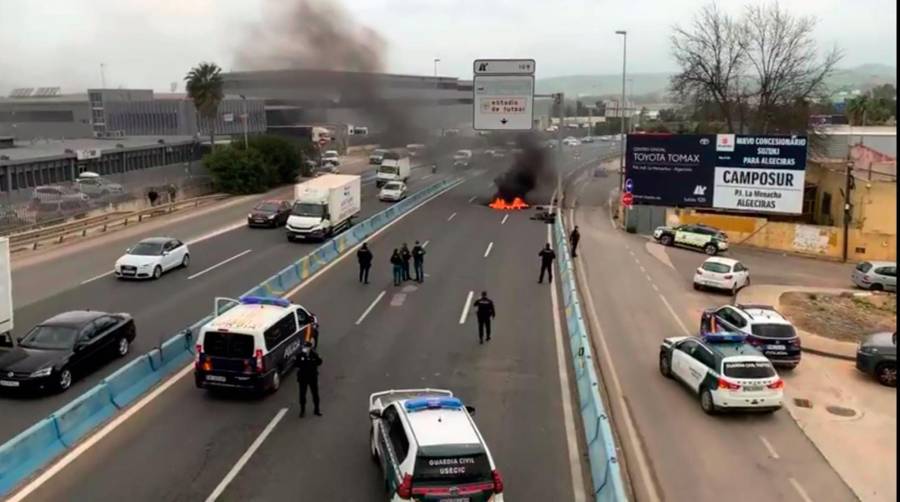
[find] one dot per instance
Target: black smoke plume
(527, 171)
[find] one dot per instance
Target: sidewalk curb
(825, 353)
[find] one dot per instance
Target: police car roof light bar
(433, 403)
(724, 337)
(265, 300)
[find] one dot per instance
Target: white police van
(726, 372)
(252, 344)
(429, 448)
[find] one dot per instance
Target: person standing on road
(484, 311)
(173, 190)
(405, 255)
(397, 264)
(547, 256)
(574, 237)
(308, 363)
(418, 254)
(364, 256)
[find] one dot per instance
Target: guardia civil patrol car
(710, 240)
(724, 371)
(429, 448)
(252, 344)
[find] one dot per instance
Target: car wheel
(664, 367)
(876, 287)
(276, 381)
(886, 373)
(65, 380)
(734, 288)
(186, 261)
(711, 249)
(157, 272)
(290, 237)
(665, 240)
(122, 347)
(707, 403)
(697, 287)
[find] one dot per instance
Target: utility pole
(848, 207)
(561, 99)
(622, 108)
(244, 118)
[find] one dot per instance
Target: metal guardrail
(56, 234)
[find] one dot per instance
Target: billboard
(722, 171)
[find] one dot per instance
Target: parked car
(710, 240)
(876, 275)
(877, 356)
(722, 273)
(269, 213)
(64, 347)
(94, 185)
(53, 193)
(152, 257)
(56, 209)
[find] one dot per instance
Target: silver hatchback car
(876, 275)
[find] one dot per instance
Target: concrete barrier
(133, 379)
(27, 452)
(175, 353)
(84, 413)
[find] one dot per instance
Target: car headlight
(249, 216)
(868, 349)
(43, 372)
(271, 217)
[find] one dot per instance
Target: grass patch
(847, 317)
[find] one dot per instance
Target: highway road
(160, 308)
(184, 443)
(641, 293)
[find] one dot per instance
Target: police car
(710, 240)
(429, 448)
(251, 345)
(726, 372)
(765, 328)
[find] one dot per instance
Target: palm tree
(857, 109)
(204, 86)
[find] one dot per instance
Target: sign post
(503, 95)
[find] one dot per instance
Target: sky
(152, 43)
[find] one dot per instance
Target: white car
(92, 184)
(722, 273)
(392, 191)
(429, 448)
(151, 258)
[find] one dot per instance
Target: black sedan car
(269, 213)
(67, 345)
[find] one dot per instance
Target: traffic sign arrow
(503, 120)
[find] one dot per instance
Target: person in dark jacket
(152, 196)
(397, 265)
(418, 255)
(364, 256)
(484, 311)
(406, 256)
(308, 363)
(547, 256)
(574, 237)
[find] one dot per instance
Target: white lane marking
(568, 417)
(797, 486)
(649, 279)
(451, 217)
(768, 445)
(246, 456)
(473, 199)
(675, 316)
(216, 233)
(488, 250)
(83, 447)
(371, 306)
(643, 466)
(654, 287)
(465, 310)
(217, 265)
(425, 244)
(642, 268)
(426, 177)
(92, 279)
(505, 217)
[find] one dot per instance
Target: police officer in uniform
(484, 310)
(547, 256)
(418, 255)
(308, 363)
(364, 256)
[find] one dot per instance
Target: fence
(37, 446)
(605, 469)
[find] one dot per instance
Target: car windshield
(307, 209)
(147, 249)
(50, 338)
(389, 169)
(330, 155)
(749, 369)
(392, 186)
(719, 268)
(774, 330)
(864, 267)
(267, 207)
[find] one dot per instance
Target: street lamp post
(436, 61)
(437, 96)
(623, 107)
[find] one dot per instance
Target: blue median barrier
(27, 452)
(83, 414)
(133, 379)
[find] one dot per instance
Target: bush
(238, 171)
(282, 155)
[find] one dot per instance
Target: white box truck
(324, 206)
(6, 298)
(393, 168)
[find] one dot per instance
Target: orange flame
(503, 205)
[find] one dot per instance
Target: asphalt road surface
(184, 443)
(674, 449)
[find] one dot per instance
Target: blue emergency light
(724, 337)
(433, 403)
(265, 300)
